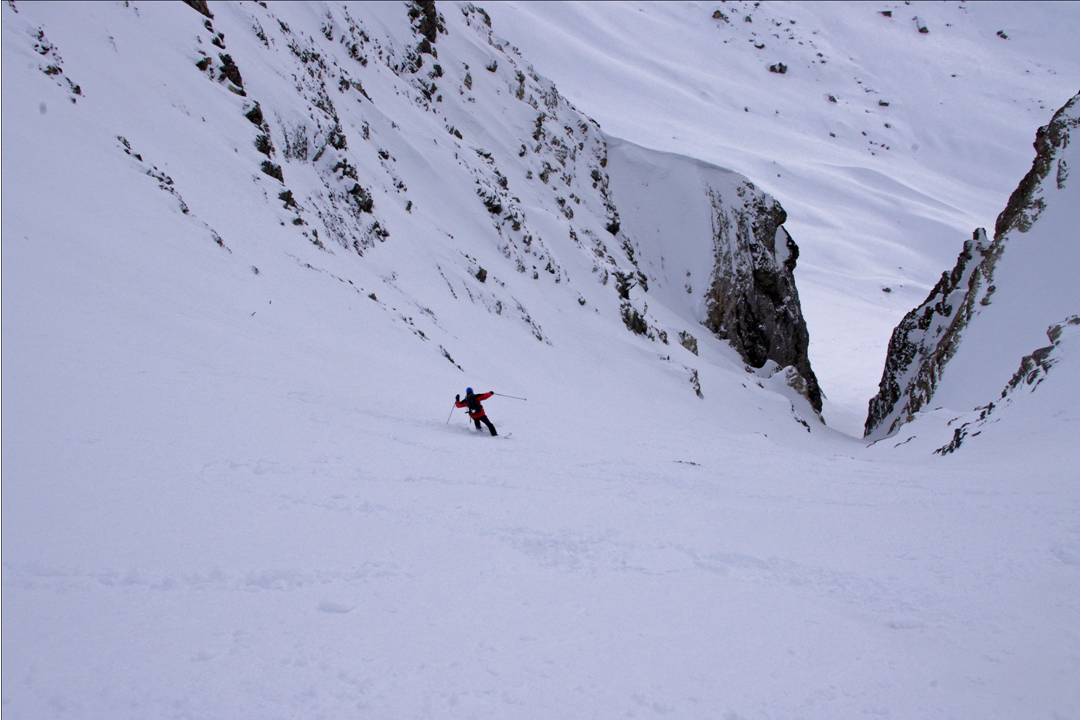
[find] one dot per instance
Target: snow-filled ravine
(887, 145)
(235, 485)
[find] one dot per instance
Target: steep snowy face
(408, 152)
(961, 346)
(410, 159)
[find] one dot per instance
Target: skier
(476, 410)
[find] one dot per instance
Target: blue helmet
(469, 391)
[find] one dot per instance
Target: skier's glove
(457, 398)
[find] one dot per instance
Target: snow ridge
(930, 335)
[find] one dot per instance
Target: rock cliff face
(712, 249)
(930, 335)
(752, 299)
(927, 338)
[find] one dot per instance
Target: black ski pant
(484, 419)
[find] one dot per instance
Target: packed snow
(234, 485)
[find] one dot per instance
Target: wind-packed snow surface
(231, 489)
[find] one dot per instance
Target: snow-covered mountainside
(367, 131)
(885, 144)
(961, 346)
(251, 252)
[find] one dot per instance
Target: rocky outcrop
(200, 6)
(1027, 201)
(928, 336)
(711, 248)
(752, 300)
(1030, 373)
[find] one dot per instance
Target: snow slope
(925, 141)
(230, 489)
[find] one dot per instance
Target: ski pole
(513, 397)
(451, 415)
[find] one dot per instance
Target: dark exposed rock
(255, 114)
(426, 17)
(491, 202)
(200, 6)
(696, 384)
(779, 68)
(484, 16)
(688, 341)
(362, 198)
(230, 71)
(633, 319)
(928, 336)
(286, 196)
(752, 301)
(336, 139)
(1025, 204)
(274, 171)
(264, 145)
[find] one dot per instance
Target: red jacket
(476, 410)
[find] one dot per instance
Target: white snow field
(230, 489)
